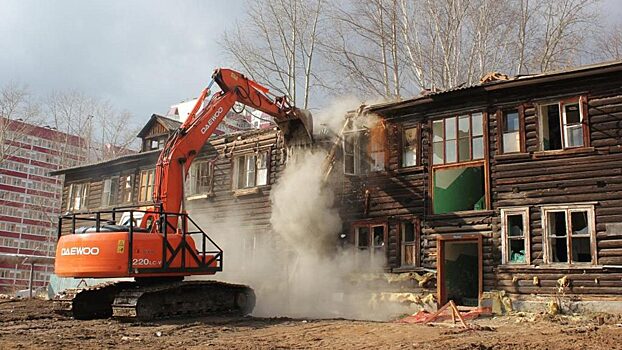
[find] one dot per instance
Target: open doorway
(459, 269)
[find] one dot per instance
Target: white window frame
(505, 237)
(110, 189)
(567, 209)
(77, 197)
(198, 169)
(561, 105)
(257, 176)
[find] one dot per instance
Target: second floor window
(364, 151)
(109, 191)
(511, 139)
(147, 179)
(126, 185)
(562, 125)
(458, 139)
(409, 147)
(250, 170)
(77, 196)
(200, 179)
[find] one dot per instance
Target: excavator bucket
(298, 128)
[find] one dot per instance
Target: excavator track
(130, 301)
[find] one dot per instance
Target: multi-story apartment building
(30, 198)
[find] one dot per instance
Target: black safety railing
(206, 255)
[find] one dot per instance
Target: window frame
(417, 145)
(235, 186)
(582, 103)
(84, 189)
(546, 238)
(370, 248)
(145, 190)
(505, 237)
(193, 180)
(501, 126)
(456, 117)
(416, 222)
(125, 190)
(113, 191)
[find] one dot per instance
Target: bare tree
(277, 44)
(566, 25)
(609, 44)
(17, 111)
(104, 128)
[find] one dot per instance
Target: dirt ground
(31, 324)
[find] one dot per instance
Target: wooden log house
(512, 184)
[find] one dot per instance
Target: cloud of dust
(298, 266)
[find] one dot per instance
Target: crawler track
(133, 301)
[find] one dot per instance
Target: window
(77, 196)
(250, 170)
(156, 143)
(562, 125)
(410, 242)
(126, 185)
(569, 233)
(459, 189)
(515, 236)
(147, 179)
(109, 191)
(409, 147)
(200, 181)
(364, 151)
(511, 136)
(458, 139)
(370, 238)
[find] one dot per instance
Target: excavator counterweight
(166, 245)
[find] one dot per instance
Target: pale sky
(143, 56)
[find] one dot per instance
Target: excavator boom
(160, 251)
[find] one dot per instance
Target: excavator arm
(183, 146)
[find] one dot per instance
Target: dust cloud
(299, 265)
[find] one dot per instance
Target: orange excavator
(166, 245)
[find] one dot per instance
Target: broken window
(409, 147)
(78, 196)
(515, 235)
(569, 234)
(459, 189)
(562, 125)
(511, 141)
(126, 185)
(410, 243)
(109, 191)
(458, 139)
(147, 179)
(371, 238)
(250, 170)
(364, 150)
(200, 179)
